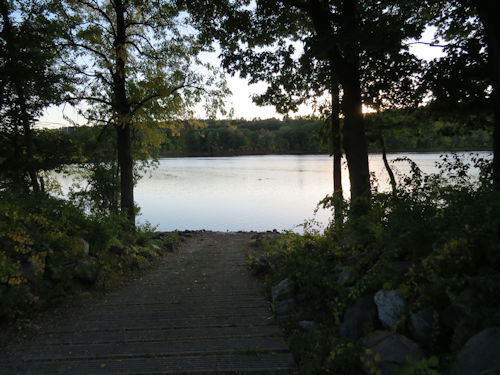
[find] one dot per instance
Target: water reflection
(248, 192)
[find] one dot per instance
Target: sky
(241, 90)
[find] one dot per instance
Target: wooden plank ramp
(199, 312)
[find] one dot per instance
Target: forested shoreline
(303, 136)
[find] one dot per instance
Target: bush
(445, 228)
(49, 248)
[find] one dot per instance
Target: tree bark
(22, 116)
(353, 131)
(126, 166)
(122, 109)
(388, 168)
(338, 198)
(488, 13)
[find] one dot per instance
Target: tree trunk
(355, 146)
(338, 199)
(22, 115)
(126, 166)
(122, 110)
(488, 14)
(388, 168)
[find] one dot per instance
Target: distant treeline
(229, 137)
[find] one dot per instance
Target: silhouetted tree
(136, 62)
(30, 81)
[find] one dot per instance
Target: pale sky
(241, 98)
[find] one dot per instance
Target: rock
(420, 325)
(469, 300)
(118, 249)
(28, 271)
(86, 272)
(308, 325)
(275, 259)
(353, 260)
(284, 307)
(149, 255)
(84, 246)
(399, 268)
(283, 290)
(169, 247)
(343, 277)
(390, 307)
(480, 354)
(53, 273)
(260, 265)
(359, 318)
(301, 297)
(3, 290)
(388, 352)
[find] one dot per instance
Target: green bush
(445, 227)
(44, 254)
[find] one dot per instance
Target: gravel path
(199, 312)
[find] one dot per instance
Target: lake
(249, 192)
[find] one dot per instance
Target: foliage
(43, 254)
(444, 227)
(31, 80)
(138, 69)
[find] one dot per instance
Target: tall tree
(468, 76)
(30, 80)
(137, 62)
(488, 11)
(353, 41)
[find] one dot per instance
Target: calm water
(248, 192)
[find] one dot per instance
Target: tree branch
(90, 99)
(427, 44)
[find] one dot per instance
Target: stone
(359, 318)
(308, 325)
(285, 289)
(169, 247)
(53, 273)
(353, 260)
(390, 307)
(343, 277)
(84, 246)
(260, 265)
(118, 249)
(470, 299)
(392, 351)
(86, 272)
(480, 354)
(3, 290)
(284, 307)
(399, 268)
(420, 325)
(275, 259)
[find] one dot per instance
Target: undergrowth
(50, 249)
(442, 230)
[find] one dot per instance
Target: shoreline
(171, 155)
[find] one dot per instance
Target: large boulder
(83, 245)
(390, 307)
(359, 318)
(86, 271)
(388, 352)
(285, 307)
(420, 325)
(308, 325)
(285, 289)
(480, 355)
(470, 300)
